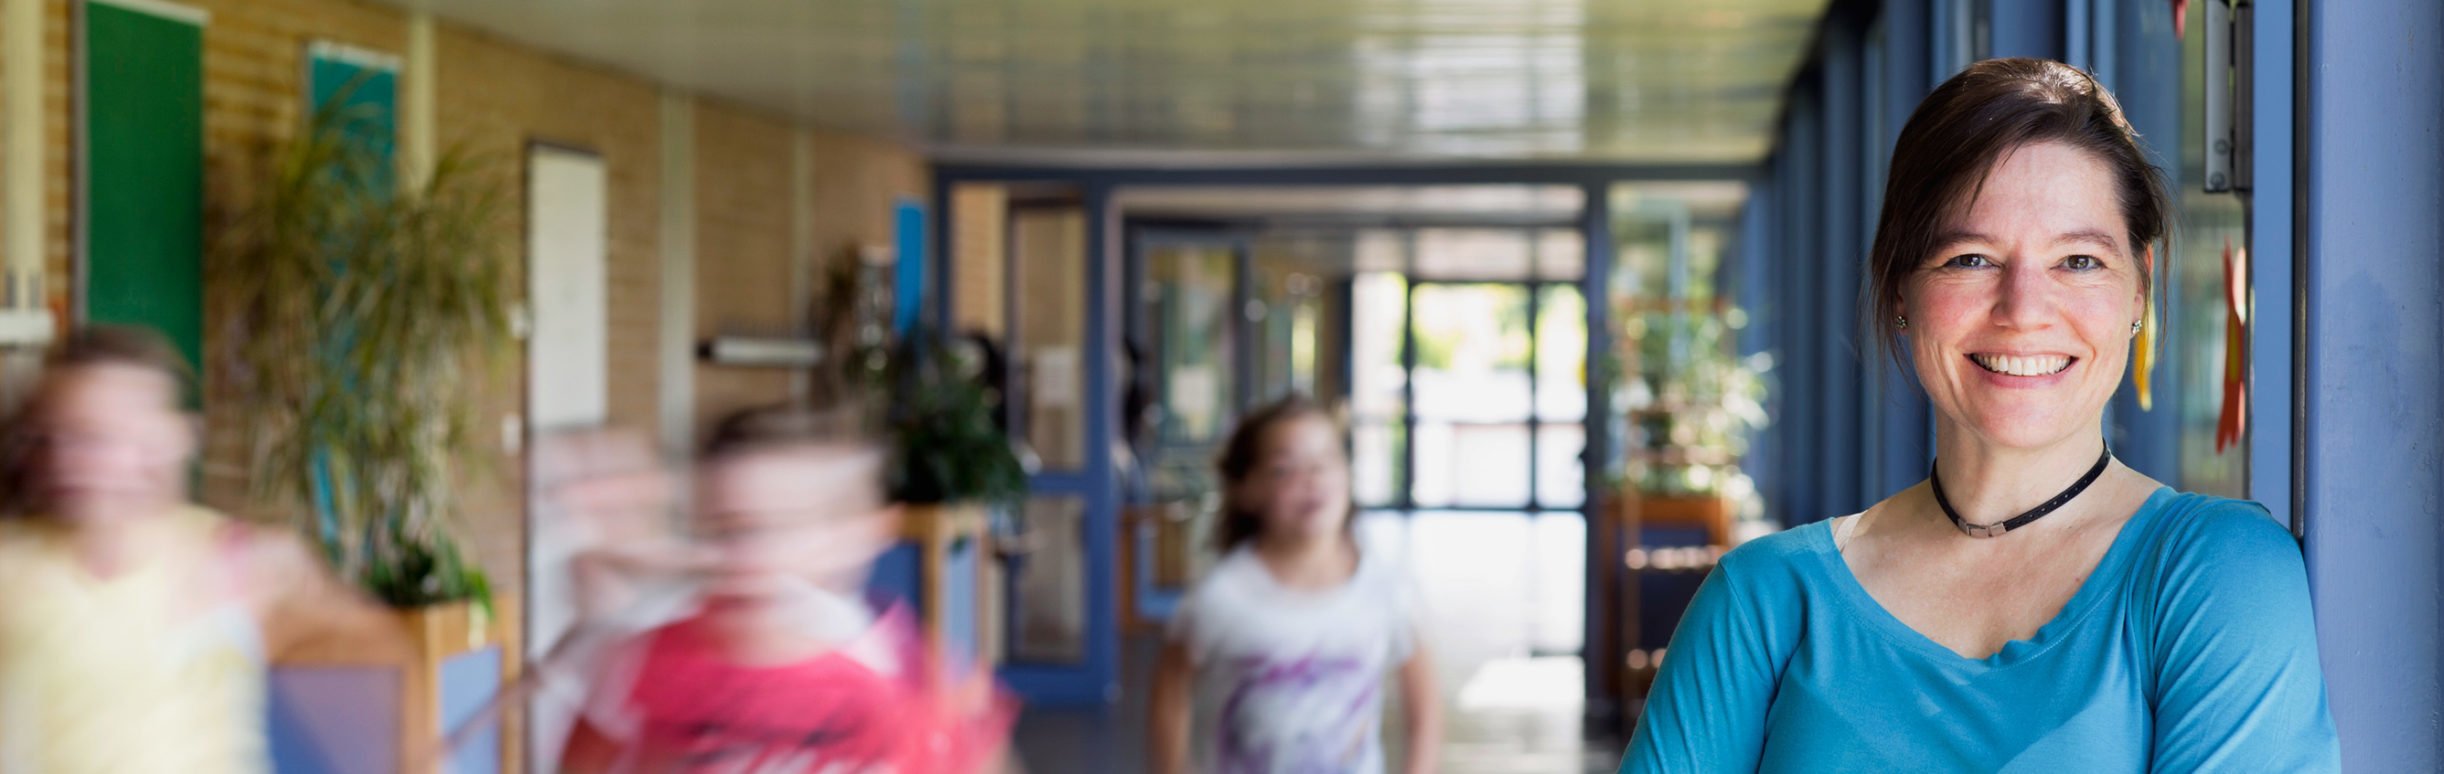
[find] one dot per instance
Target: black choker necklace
(2022, 520)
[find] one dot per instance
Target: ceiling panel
(1621, 81)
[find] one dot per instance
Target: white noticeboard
(567, 236)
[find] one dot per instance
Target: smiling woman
(2034, 605)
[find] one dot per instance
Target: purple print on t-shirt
(1307, 715)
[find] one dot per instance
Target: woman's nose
(2023, 298)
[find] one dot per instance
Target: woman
(2034, 605)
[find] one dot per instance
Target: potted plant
(1693, 404)
(358, 319)
(953, 470)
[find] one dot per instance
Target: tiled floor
(1500, 588)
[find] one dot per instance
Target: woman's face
(2020, 320)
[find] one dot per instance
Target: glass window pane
(1561, 480)
(1472, 464)
(1472, 353)
(1048, 583)
(1560, 255)
(1375, 461)
(1380, 300)
(1561, 354)
(1193, 342)
(1051, 254)
(2192, 293)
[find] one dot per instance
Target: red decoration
(2234, 422)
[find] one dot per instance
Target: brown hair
(1957, 136)
(125, 345)
(1243, 451)
(782, 429)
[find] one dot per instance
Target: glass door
(1062, 645)
(1191, 362)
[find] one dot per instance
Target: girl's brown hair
(1968, 125)
(1243, 451)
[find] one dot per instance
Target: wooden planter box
(1158, 550)
(1616, 639)
(943, 568)
(382, 705)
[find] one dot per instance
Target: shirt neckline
(2108, 575)
(1273, 586)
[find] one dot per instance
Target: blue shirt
(2190, 648)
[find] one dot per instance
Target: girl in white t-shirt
(1279, 654)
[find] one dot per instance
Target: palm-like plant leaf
(364, 319)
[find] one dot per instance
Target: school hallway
(1503, 617)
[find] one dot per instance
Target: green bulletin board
(143, 141)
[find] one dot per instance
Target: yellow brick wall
(495, 98)
(744, 226)
(744, 162)
(857, 181)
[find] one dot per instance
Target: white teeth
(2023, 365)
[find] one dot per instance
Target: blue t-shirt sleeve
(2236, 680)
(1707, 709)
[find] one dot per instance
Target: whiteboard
(566, 279)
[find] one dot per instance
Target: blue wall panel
(1805, 410)
(899, 575)
(1840, 254)
(2033, 27)
(1903, 416)
(2374, 81)
(469, 683)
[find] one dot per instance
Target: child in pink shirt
(781, 667)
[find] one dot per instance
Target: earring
(1900, 321)
(2134, 326)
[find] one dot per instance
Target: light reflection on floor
(1503, 594)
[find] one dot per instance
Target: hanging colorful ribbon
(2233, 424)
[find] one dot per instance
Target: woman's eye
(2083, 263)
(1966, 261)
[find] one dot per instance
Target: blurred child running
(1284, 647)
(135, 624)
(781, 666)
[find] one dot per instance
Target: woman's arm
(1706, 711)
(1422, 708)
(2236, 682)
(1168, 711)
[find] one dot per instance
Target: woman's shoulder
(2193, 526)
(1790, 550)
(1781, 562)
(2199, 543)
